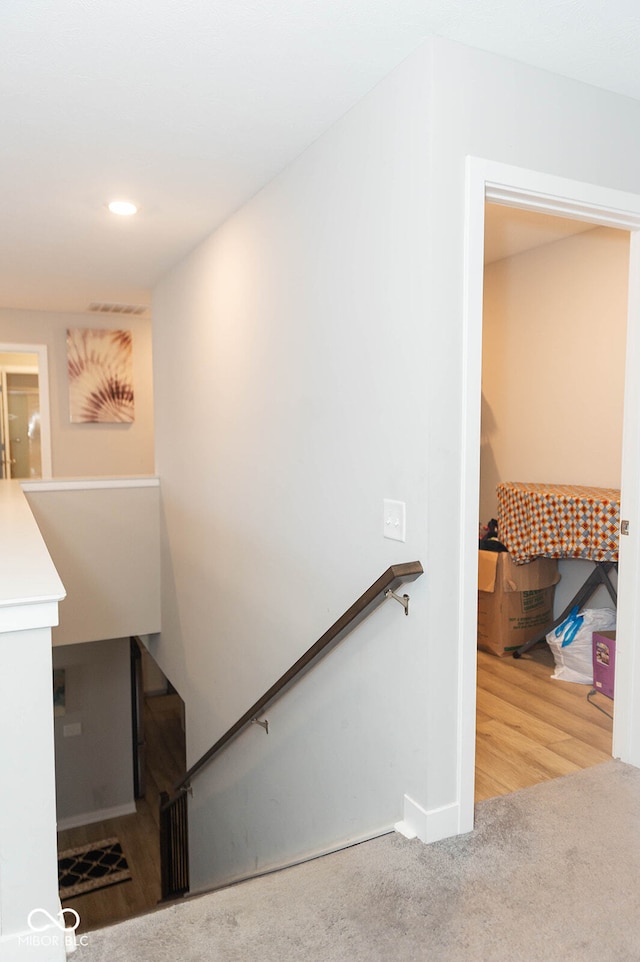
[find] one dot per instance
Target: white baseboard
(429, 826)
(279, 866)
(87, 818)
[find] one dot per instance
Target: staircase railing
(174, 845)
(173, 809)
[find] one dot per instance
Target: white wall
(554, 334)
(104, 538)
(29, 593)
(90, 450)
(27, 815)
(492, 108)
(94, 769)
(321, 329)
(300, 397)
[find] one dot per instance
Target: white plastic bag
(571, 643)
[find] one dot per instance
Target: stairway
(537, 881)
(301, 913)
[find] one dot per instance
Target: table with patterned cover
(561, 521)
(558, 521)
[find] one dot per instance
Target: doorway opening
(19, 423)
(155, 760)
(530, 190)
(554, 340)
(25, 445)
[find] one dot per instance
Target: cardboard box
(604, 661)
(515, 602)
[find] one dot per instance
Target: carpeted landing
(551, 874)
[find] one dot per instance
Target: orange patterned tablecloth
(558, 521)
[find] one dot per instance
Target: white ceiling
(189, 106)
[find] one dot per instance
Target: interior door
(137, 719)
(25, 431)
(22, 439)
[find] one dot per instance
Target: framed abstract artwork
(100, 365)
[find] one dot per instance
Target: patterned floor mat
(90, 867)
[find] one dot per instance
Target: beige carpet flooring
(551, 874)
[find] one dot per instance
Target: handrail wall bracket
(403, 599)
(174, 829)
(379, 591)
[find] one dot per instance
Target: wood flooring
(139, 833)
(530, 727)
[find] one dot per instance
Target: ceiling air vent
(121, 309)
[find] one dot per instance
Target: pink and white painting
(100, 364)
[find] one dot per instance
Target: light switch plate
(395, 523)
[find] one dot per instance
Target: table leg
(599, 576)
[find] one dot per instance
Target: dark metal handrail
(393, 577)
(173, 810)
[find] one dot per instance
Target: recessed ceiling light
(122, 207)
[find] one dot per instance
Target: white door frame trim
(532, 190)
